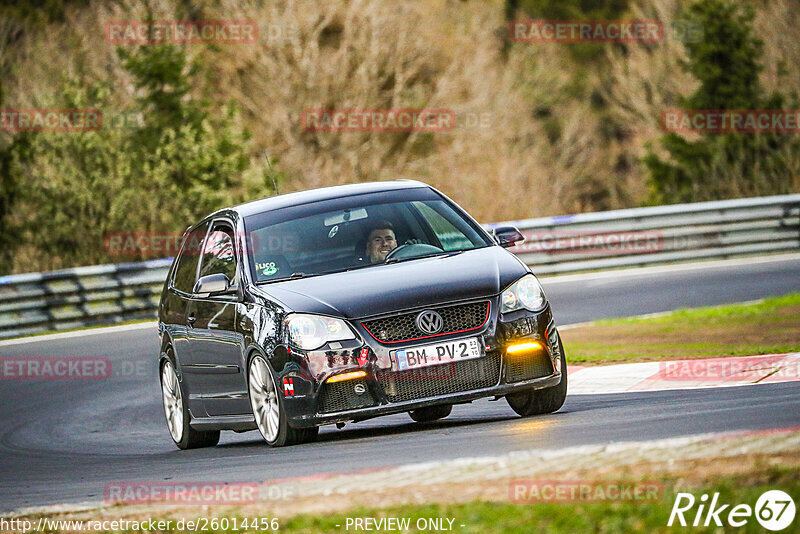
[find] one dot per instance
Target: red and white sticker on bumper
(288, 387)
(362, 357)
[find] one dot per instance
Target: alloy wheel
(173, 401)
(264, 399)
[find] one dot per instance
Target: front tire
(177, 413)
(541, 401)
(267, 405)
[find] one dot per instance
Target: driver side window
(218, 253)
(451, 237)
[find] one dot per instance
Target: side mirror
(212, 283)
(508, 236)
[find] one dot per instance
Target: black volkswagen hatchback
(346, 303)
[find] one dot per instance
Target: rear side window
(186, 267)
(218, 253)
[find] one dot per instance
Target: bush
(173, 165)
(727, 65)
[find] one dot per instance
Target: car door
(175, 306)
(216, 345)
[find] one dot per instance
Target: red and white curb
(685, 374)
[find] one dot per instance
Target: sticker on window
(266, 269)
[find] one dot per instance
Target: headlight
(309, 332)
(524, 293)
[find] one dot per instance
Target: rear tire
(541, 401)
(431, 413)
(267, 404)
(177, 413)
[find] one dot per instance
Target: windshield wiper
(294, 276)
(432, 255)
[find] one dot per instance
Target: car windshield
(356, 232)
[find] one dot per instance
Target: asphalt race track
(63, 441)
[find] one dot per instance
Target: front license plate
(425, 355)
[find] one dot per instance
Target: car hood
(414, 283)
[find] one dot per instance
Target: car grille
(458, 318)
(442, 379)
(525, 367)
(341, 396)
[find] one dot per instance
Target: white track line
(79, 333)
(645, 271)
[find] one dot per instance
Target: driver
(380, 241)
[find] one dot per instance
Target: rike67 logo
(774, 510)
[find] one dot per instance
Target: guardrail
(104, 294)
(108, 294)
(661, 234)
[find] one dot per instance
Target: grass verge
(556, 517)
(770, 326)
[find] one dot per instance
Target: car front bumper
(300, 420)
(495, 374)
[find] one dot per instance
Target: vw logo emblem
(429, 322)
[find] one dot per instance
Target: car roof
(317, 195)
